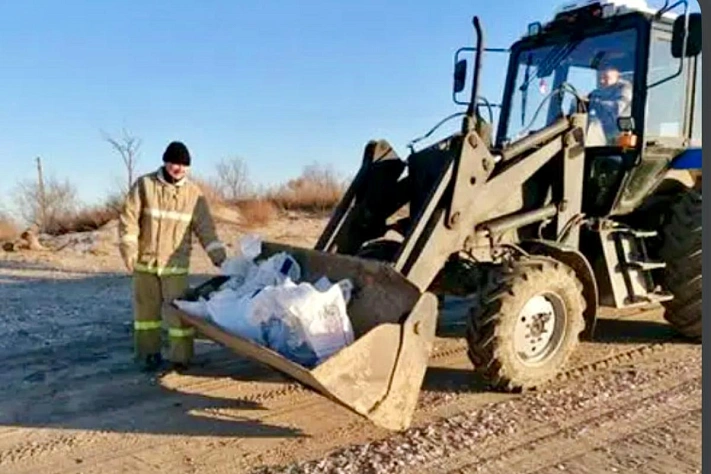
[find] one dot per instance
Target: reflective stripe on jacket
(157, 223)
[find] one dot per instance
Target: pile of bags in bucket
(265, 303)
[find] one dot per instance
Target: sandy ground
(71, 401)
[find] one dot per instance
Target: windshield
(600, 68)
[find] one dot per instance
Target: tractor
(588, 195)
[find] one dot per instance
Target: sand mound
(100, 241)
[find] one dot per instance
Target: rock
(32, 241)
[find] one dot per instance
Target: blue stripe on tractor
(688, 160)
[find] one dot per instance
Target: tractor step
(629, 268)
(646, 266)
(650, 298)
(661, 296)
(640, 234)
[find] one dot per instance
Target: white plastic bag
(251, 246)
(273, 271)
(324, 284)
(313, 317)
(232, 312)
(247, 277)
(261, 302)
(322, 317)
(280, 332)
(241, 266)
(303, 323)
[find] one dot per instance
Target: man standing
(162, 211)
(613, 99)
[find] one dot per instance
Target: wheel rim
(539, 330)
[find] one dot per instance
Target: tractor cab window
(585, 80)
(666, 101)
(696, 117)
(551, 80)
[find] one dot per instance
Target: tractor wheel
(527, 324)
(681, 250)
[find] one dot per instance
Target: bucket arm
(453, 189)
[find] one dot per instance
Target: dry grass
(209, 190)
(317, 190)
(257, 212)
(8, 228)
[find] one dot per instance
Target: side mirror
(693, 36)
(460, 75)
(625, 124)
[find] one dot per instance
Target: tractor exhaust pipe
(472, 109)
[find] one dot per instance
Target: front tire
(527, 324)
(681, 251)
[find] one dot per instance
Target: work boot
(152, 362)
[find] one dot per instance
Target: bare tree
(128, 146)
(44, 204)
(232, 180)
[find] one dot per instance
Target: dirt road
(71, 401)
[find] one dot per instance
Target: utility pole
(42, 196)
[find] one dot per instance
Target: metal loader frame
(506, 223)
(455, 189)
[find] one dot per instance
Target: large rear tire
(527, 324)
(681, 251)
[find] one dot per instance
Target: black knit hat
(177, 153)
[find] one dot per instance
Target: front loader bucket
(380, 374)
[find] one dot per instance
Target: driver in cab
(611, 100)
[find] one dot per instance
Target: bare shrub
(128, 147)
(232, 180)
(60, 212)
(43, 210)
(257, 212)
(209, 189)
(318, 190)
(115, 201)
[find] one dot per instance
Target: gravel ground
(71, 401)
(419, 448)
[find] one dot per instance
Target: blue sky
(280, 83)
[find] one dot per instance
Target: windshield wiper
(524, 89)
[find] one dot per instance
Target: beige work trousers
(151, 295)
